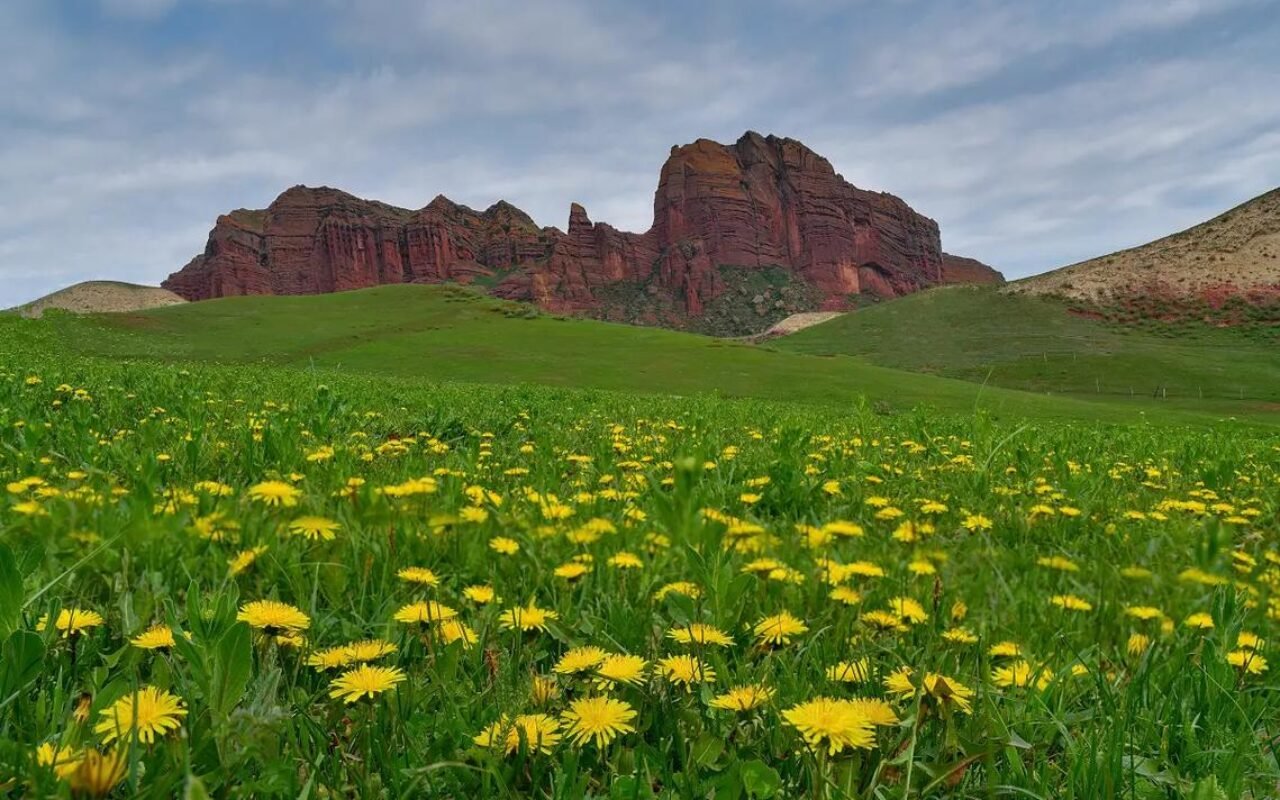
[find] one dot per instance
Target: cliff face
(762, 203)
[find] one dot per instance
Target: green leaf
(760, 779)
(707, 749)
(1207, 789)
(727, 785)
(680, 607)
(195, 789)
(193, 655)
(629, 787)
(233, 666)
(195, 617)
(21, 657)
(10, 592)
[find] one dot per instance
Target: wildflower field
(234, 582)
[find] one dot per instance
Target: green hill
(1037, 344)
(452, 334)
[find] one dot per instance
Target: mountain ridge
(1232, 257)
(100, 297)
(742, 234)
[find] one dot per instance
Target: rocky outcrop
(763, 202)
(958, 269)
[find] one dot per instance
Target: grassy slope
(1035, 344)
(444, 334)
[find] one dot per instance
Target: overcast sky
(1036, 132)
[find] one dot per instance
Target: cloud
(144, 9)
(1044, 179)
(1033, 139)
(949, 46)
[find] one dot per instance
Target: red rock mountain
(764, 205)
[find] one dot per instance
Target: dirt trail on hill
(798, 322)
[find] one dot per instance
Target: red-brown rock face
(761, 202)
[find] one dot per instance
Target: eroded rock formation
(762, 202)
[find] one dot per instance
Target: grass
(1036, 344)
(444, 333)
(131, 488)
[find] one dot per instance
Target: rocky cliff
(724, 215)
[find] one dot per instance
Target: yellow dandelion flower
(504, 545)
(480, 594)
(528, 618)
(687, 670)
(98, 774)
(842, 527)
(1249, 641)
(908, 609)
(473, 514)
(315, 528)
(426, 612)
(73, 621)
(922, 567)
(743, 698)
(580, 659)
(1199, 621)
(625, 560)
(1005, 650)
(329, 658)
(960, 635)
(244, 559)
(878, 712)
(275, 493)
(368, 650)
(572, 571)
(883, 620)
(865, 569)
(849, 671)
(1070, 602)
(946, 691)
(273, 617)
(1021, 673)
(62, 760)
(1137, 644)
(1247, 661)
(686, 588)
(597, 719)
(621, 669)
(419, 575)
(295, 640)
(846, 595)
(838, 723)
(700, 633)
(157, 637)
(365, 681)
(149, 713)
(1144, 612)
(1059, 563)
(452, 630)
(543, 690)
(779, 629)
(540, 733)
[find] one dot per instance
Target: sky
(1037, 133)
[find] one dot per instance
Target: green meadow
(411, 542)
